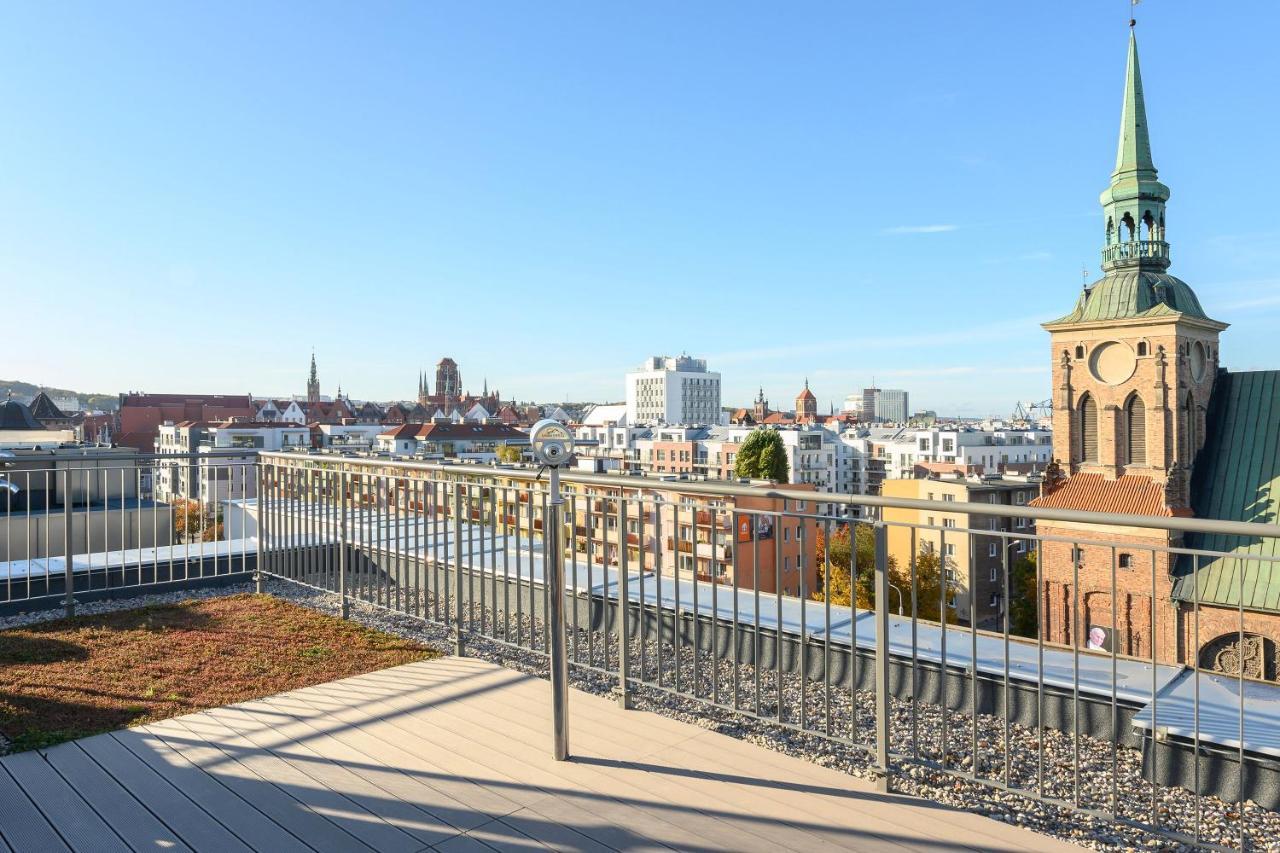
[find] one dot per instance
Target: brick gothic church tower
(806, 405)
(1133, 367)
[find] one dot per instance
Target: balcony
(1135, 252)
(864, 682)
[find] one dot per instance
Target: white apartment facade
(673, 390)
(990, 451)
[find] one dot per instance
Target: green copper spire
(1135, 256)
(1134, 153)
(1133, 205)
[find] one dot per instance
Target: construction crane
(1029, 411)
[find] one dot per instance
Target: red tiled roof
(1131, 493)
(402, 431)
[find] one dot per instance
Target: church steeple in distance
(313, 382)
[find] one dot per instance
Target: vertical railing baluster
(883, 769)
(69, 601)
(624, 604)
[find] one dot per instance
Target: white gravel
(1175, 808)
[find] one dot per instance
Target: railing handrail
(115, 454)
(1176, 524)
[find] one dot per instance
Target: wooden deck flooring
(452, 755)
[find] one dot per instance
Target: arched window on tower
(1079, 350)
(1149, 226)
(1135, 419)
(1111, 231)
(1128, 228)
(1088, 429)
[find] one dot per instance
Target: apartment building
(667, 390)
(966, 450)
(972, 553)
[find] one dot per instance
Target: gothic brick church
(1146, 422)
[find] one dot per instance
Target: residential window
(948, 522)
(1126, 561)
(949, 498)
(993, 550)
(995, 574)
(951, 549)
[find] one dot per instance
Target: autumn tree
(856, 548)
(192, 522)
(509, 453)
(762, 457)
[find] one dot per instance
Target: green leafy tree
(1023, 598)
(509, 453)
(762, 457)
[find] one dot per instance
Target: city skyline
(320, 183)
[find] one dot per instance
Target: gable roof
(1237, 478)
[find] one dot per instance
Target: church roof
(44, 409)
(1131, 294)
(1237, 478)
(1132, 494)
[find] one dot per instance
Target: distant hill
(105, 402)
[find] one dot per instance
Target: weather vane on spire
(1133, 21)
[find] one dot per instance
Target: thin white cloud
(919, 229)
(1006, 331)
(1261, 302)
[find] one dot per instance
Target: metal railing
(80, 524)
(961, 650)
(1135, 250)
(775, 604)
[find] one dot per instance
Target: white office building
(667, 390)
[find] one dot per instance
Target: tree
(193, 523)
(509, 453)
(859, 549)
(1023, 597)
(762, 457)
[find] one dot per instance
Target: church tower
(1135, 360)
(761, 410)
(313, 382)
(806, 405)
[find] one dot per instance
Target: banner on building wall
(763, 527)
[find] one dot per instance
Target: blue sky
(195, 196)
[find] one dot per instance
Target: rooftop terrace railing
(735, 598)
(950, 647)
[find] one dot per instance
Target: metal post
(257, 563)
(882, 657)
(342, 545)
(459, 644)
(624, 608)
(559, 657)
(69, 582)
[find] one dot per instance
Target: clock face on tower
(1112, 362)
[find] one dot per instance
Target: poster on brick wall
(1099, 638)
